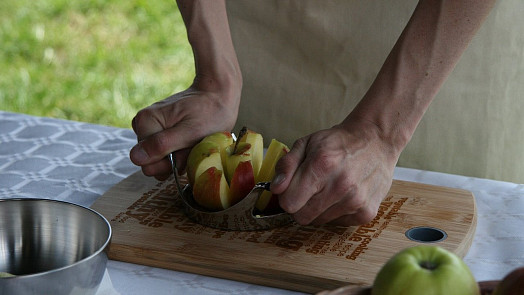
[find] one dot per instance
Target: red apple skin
(210, 190)
(198, 154)
(512, 283)
(231, 160)
(242, 182)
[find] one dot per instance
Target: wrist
(390, 137)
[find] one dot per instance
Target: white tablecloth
(77, 162)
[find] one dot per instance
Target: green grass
(95, 61)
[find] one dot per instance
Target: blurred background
(93, 61)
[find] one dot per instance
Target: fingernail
(139, 154)
(278, 179)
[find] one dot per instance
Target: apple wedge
(239, 169)
(242, 181)
(223, 139)
(206, 176)
(203, 155)
(207, 150)
(211, 190)
(257, 145)
(267, 202)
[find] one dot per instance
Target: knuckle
(301, 219)
(156, 170)
(365, 216)
(323, 161)
(287, 205)
(354, 203)
(160, 144)
(142, 116)
(345, 187)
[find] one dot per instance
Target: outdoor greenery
(95, 61)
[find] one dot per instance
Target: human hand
(177, 123)
(338, 175)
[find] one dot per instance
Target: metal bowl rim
(100, 249)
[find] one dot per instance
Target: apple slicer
(240, 217)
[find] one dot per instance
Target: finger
(350, 213)
(363, 216)
(146, 123)
(181, 159)
(157, 146)
(289, 182)
(160, 168)
(287, 165)
(334, 201)
(162, 177)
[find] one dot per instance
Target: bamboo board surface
(150, 228)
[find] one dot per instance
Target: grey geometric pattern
(61, 160)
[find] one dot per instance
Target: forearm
(208, 33)
(426, 52)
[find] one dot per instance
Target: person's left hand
(338, 175)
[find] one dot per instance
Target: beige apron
(306, 63)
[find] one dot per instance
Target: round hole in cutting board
(424, 234)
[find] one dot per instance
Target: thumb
(287, 166)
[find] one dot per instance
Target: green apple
(512, 283)
(425, 269)
(6, 275)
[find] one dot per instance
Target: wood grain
(150, 228)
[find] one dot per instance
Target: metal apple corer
(240, 217)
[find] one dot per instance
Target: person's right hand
(178, 122)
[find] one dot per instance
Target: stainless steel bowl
(52, 247)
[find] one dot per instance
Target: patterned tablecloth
(77, 162)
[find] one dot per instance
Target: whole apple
(425, 269)
(512, 283)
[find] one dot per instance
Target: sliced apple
(235, 154)
(257, 145)
(267, 201)
(204, 154)
(242, 181)
(222, 172)
(211, 190)
(223, 139)
(239, 169)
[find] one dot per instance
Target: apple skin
(257, 144)
(242, 182)
(205, 172)
(223, 139)
(512, 283)
(233, 157)
(203, 155)
(211, 190)
(425, 269)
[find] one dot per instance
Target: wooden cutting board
(150, 228)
